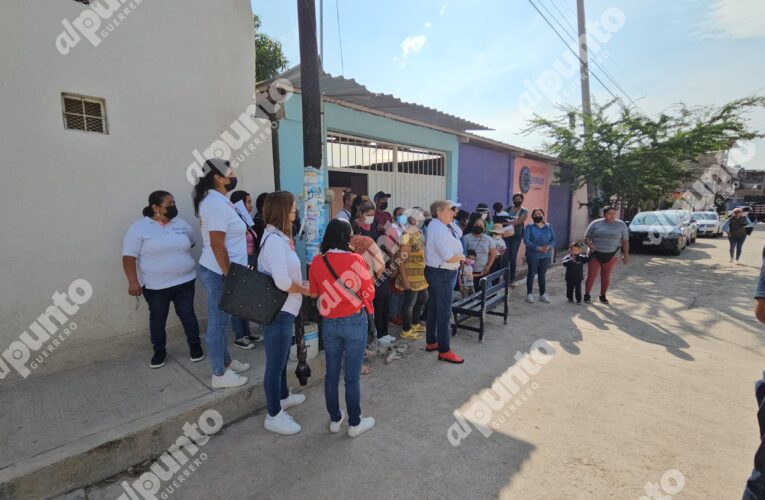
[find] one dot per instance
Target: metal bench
(493, 290)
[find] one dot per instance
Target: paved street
(660, 380)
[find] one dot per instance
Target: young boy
(574, 263)
(466, 275)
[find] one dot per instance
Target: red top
(334, 300)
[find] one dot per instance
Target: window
(84, 113)
(366, 154)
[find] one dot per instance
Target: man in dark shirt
(382, 216)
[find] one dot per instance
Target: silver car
(690, 229)
(708, 223)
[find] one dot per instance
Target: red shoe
(450, 357)
(431, 347)
(397, 321)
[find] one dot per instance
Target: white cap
(454, 204)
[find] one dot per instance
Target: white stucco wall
(175, 75)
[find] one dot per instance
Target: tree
(633, 158)
(269, 55)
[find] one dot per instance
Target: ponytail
(155, 198)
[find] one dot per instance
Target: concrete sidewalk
(68, 429)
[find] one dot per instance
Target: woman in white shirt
(443, 254)
(156, 258)
(278, 259)
(224, 241)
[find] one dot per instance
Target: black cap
(482, 208)
(381, 194)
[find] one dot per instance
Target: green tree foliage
(269, 55)
(637, 159)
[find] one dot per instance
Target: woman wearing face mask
(484, 248)
(224, 242)
(539, 238)
(517, 215)
(156, 258)
(365, 220)
(411, 279)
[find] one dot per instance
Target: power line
(340, 37)
(575, 54)
(594, 61)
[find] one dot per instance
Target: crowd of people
(376, 267)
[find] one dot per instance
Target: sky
(496, 62)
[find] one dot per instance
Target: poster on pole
(314, 209)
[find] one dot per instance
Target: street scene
(444, 249)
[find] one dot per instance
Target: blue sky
(477, 58)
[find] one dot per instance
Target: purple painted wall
(559, 213)
(484, 176)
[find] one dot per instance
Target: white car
(690, 228)
(708, 223)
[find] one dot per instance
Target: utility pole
(584, 65)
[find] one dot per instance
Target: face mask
(477, 230)
(517, 203)
(232, 184)
(369, 220)
(484, 216)
(171, 212)
(384, 205)
(469, 262)
(538, 219)
(401, 219)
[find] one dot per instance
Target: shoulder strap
(337, 278)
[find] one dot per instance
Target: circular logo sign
(525, 179)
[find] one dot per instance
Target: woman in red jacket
(342, 282)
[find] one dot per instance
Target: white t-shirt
(163, 252)
(343, 214)
(216, 213)
(278, 259)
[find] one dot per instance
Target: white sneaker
(292, 400)
(730, 260)
(365, 424)
(738, 262)
(544, 298)
(387, 340)
(282, 423)
(334, 427)
(228, 379)
(530, 298)
(238, 367)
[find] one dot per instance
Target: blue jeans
(344, 340)
(440, 292)
(736, 244)
(241, 327)
(537, 267)
(182, 297)
(513, 245)
(217, 321)
(278, 339)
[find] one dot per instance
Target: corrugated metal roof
(350, 91)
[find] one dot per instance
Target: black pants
(755, 486)
(574, 286)
(414, 302)
(182, 297)
(381, 305)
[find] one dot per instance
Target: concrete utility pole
(584, 65)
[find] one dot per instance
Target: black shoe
(604, 300)
(244, 343)
(257, 339)
(587, 298)
(158, 360)
(196, 354)
(570, 300)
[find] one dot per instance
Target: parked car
(708, 223)
(690, 228)
(662, 230)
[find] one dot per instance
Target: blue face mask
(401, 219)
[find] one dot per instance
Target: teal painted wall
(352, 122)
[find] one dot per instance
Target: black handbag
(251, 294)
(370, 317)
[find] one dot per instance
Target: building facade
(96, 115)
